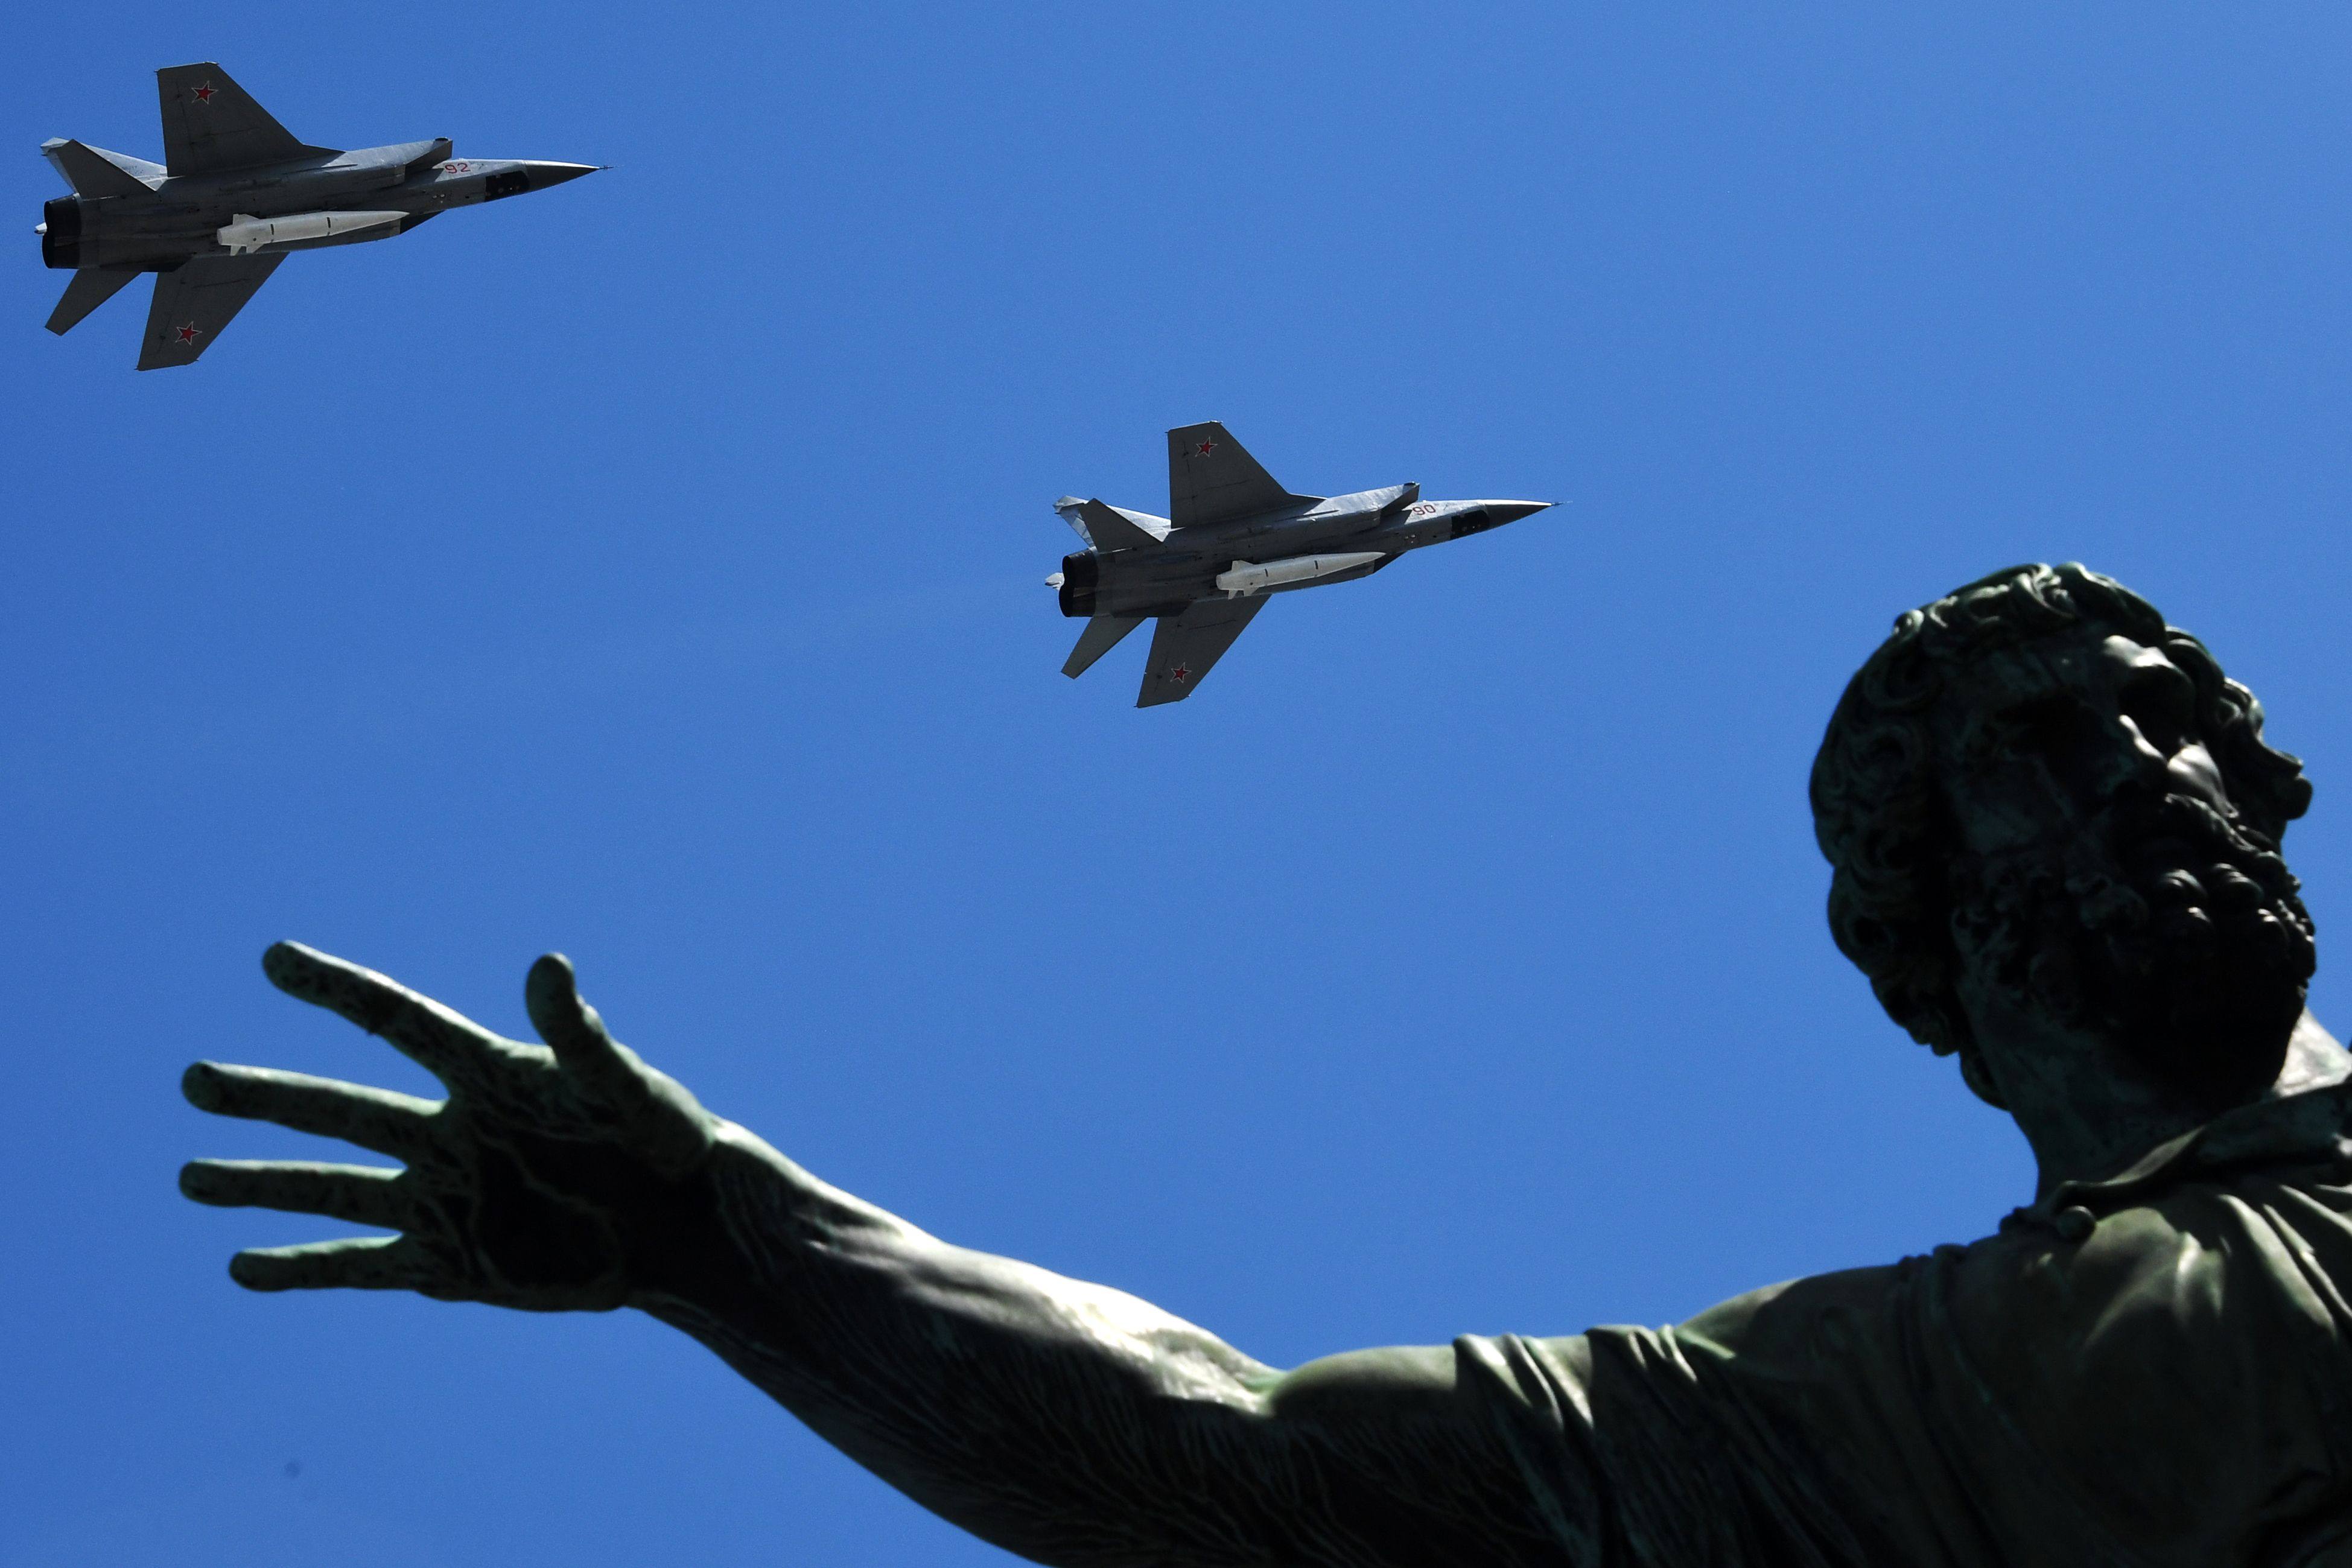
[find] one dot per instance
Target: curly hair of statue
(1882, 821)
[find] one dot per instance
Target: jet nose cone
(543, 175)
(1512, 511)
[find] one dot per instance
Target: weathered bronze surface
(2054, 828)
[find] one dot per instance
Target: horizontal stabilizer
(89, 172)
(85, 290)
(1101, 635)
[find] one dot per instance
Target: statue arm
(1077, 1425)
(1071, 1423)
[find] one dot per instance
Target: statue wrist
(706, 1245)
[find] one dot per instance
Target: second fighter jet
(1233, 536)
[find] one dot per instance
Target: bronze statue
(2054, 827)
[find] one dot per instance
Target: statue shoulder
(2135, 1338)
(1799, 1317)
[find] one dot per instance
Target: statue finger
(355, 1262)
(387, 1123)
(446, 1044)
(357, 1195)
(575, 1031)
(665, 1122)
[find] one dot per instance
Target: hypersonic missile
(1247, 577)
(249, 233)
(1200, 572)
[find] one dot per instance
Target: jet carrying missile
(236, 193)
(1188, 570)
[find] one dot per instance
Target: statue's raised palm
(540, 1182)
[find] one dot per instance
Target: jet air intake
(436, 151)
(1247, 577)
(249, 233)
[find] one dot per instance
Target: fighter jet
(234, 194)
(1233, 537)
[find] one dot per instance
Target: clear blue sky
(650, 569)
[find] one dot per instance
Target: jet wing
(210, 124)
(194, 302)
(1186, 647)
(1211, 479)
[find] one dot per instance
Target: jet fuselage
(1186, 565)
(1233, 538)
(182, 217)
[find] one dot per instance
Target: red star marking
(187, 334)
(204, 93)
(1205, 449)
(1180, 674)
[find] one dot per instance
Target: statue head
(2044, 805)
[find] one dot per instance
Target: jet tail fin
(89, 172)
(85, 290)
(1110, 529)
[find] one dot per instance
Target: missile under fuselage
(1248, 577)
(248, 234)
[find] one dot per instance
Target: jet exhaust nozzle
(1077, 580)
(60, 233)
(248, 234)
(1247, 577)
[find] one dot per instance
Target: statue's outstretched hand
(549, 1179)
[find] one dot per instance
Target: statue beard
(2168, 930)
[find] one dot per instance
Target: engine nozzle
(1079, 576)
(60, 233)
